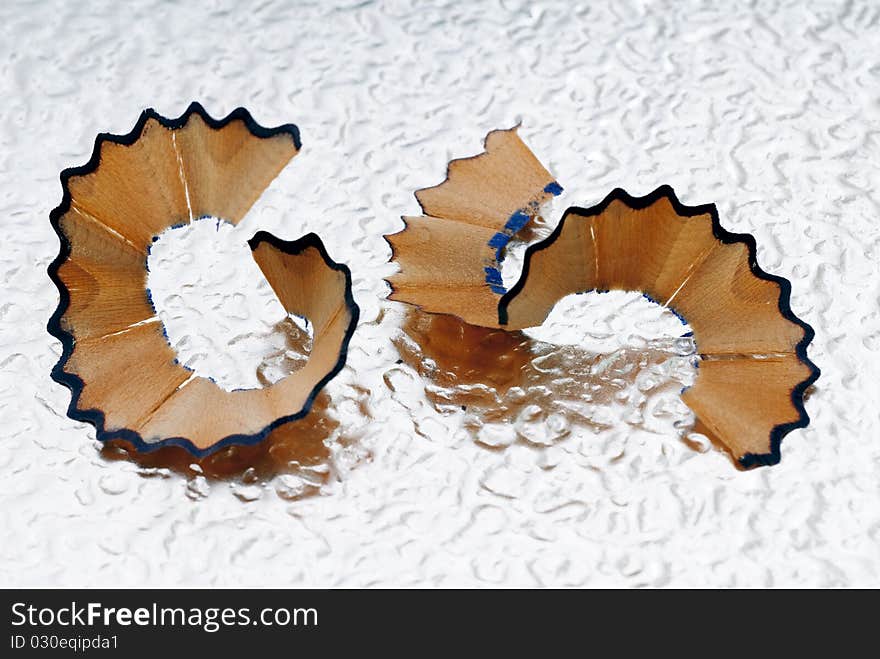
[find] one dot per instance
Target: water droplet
(292, 487)
(247, 493)
(504, 482)
(645, 384)
(151, 472)
(113, 484)
(496, 435)
(549, 458)
(198, 488)
(84, 495)
(684, 346)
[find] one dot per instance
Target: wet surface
(219, 312)
(513, 388)
(442, 454)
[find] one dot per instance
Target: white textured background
(773, 113)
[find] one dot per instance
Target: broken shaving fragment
(678, 256)
(450, 256)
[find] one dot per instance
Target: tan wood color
(226, 173)
(741, 400)
(750, 369)
(484, 190)
(129, 372)
(136, 189)
(204, 413)
(443, 254)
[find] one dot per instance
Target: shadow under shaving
(287, 449)
(293, 353)
(298, 448)
(515, 388)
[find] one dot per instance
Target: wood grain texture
(651, 250)
(733, 311)
(442, 269)
(226, 169)
(450, 257)
(307, 284)
(743, 401)
(106, 277)
(126, 376)
(754, 368)
(486, 189)
(677, 260)
(117, 361)
(136, 189)
(569, 267)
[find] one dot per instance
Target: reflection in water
(453, 353)
(296, 456)
(508, 388)
(219, 312)
(517, 389)
(292, 341)
(297, 450)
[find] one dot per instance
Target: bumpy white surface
(772, 113)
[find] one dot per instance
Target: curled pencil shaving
(754, 368)
(450, 256)
(124, 376)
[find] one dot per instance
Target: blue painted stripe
(516, 222)
(499, 240)
(678, 315)
(493, 276)
(553, 188)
